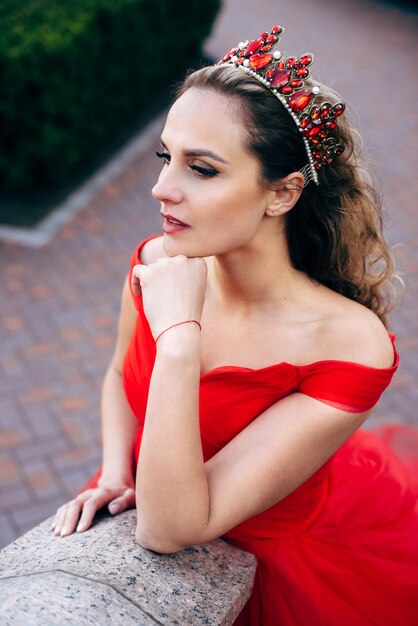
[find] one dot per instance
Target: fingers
(123, 502)
(88, 512)
(92, 504)
(138, 272)
(78, 514)
(66, 518)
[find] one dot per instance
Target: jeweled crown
(285, 76)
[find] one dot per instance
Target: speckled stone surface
(102, 576)
(59, 598)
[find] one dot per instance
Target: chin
(173, 246)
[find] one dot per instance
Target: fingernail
(57, 531)
(113, 508)
(64, 531)
(80, 528)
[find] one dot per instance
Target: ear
(284, 196)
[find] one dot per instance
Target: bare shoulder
(354, 333)
(152, 251)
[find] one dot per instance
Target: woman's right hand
(78, 514)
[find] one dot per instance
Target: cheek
(235, 211)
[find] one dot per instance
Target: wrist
(180, 342)
(176, 325)
(107, 479)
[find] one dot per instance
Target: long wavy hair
(334, 232)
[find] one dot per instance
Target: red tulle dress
(341, 550)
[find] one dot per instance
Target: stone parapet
(103, 577)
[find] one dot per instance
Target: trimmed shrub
(75, 72)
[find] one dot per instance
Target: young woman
(252, 346)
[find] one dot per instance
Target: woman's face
(209, 181)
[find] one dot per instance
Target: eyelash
(201, 171)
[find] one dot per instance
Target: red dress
(341, 550)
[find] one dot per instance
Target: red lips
(174, 220)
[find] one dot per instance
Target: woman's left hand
(173, 290)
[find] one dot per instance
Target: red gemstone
(266, 48)
(338, 109)
(270, 73)
(276, 30)
(306, 59)
(331, 124)
(230, 54)
(257, 61)
(253, 47)
(296, 83)
(291, 62)
(263, 35)
(302, 72)
(314, 140)
(317, 155)
(323, 134)
(311, 130)
(325, 109)
(271, 39)
(315, 113)
(339, 149)
(300, 100)
(242, 53)
(287, 90)
(280, 78)
(280, 65)
(303, 121)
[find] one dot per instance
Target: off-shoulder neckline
(322, 362)
(260, 370)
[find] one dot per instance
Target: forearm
(172, 491)
(119, 427)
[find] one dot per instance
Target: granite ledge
(101, 575)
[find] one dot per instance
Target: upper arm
(272, 457)
(126, 326)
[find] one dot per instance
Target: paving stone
(8, 530)
(26, 517)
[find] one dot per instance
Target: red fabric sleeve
(348, 386)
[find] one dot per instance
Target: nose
(167, 189)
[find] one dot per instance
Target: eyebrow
(196, 152)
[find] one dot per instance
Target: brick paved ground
(59, 304)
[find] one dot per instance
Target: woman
(252, 346)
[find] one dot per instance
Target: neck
(256, 276)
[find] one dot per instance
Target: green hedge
(74, 72)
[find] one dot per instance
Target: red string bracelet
(179, 324)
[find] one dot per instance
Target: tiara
(284, 77)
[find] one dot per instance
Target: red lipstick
(173, 225)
